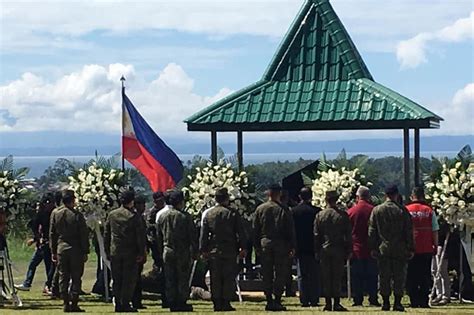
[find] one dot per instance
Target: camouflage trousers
(392, 270)
(70, 269)
(223, 272)
(124, 275)
(274, 259)
(177, 268)
(332, 271)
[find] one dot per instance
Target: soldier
(69, 241)
(333, 245)
(140, 205)
(150, 218)
(275, 242)
(391, 242)
(176, 238)
(308, 267)
(125, 247)
(222, 235)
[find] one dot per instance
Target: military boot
(74, 305)
(66, 303)
(226, 306)
(328, 306)
(277, 306)
(217, 305)
(337, 306)
(270, 304)
(386, 303)
(397, 305)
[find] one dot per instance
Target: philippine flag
(142, 147)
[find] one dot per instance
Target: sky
(61, 61)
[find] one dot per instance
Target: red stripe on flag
(139, 157)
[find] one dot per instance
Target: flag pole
(122, 79)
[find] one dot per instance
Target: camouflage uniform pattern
(124, 241)
(177, 241)
(221, 235)
(391, 236)
(150, 220)
(69, 240)
(333, 245)
(274, 234)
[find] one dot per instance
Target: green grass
(35, 302)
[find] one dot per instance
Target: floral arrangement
(97, 190)
(452, 194)
(343, 180)
(201, 191)
(12, 194)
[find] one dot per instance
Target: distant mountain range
(35, 146)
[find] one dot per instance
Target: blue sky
(60, 60)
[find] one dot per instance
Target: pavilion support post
(406, 161)
(240, 150)
(417, 157)
(214, 147)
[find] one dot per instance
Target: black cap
(222, 192)
(274, 187)
(391, 189)
(175, 197)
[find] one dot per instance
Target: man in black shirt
(40, 228)
(308, 267)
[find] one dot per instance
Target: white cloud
(413, 52)
(89, 100)
(61, 24)
(458, 114)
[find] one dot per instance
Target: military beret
(391, 189)
(332, 194)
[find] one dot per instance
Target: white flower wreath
(200, 193)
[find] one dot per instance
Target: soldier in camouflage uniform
(150, 218)
(333, 246)
(275, 242)
(222, 235)
(69, 241)
(176, 238)
(391, 242)
(125, 247)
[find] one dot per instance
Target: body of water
(38, 164)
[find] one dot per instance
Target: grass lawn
(35, 302)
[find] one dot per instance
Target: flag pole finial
(123, 81)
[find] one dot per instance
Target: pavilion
(316, 80)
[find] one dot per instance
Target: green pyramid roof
(317, 80)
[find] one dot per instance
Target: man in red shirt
(364, 267)
(425, 234)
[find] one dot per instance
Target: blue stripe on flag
(154, 145)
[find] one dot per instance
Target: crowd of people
(391, 248)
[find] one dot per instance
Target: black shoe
(374, 303)
(357, 304)
(398, 307)
(305, 305)
(129, 309)
(269, 307)
(278, 307)
(75, 309)
(339, 308)
(327, 308)
(386, 307)
(315, 304)
(226, 307)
